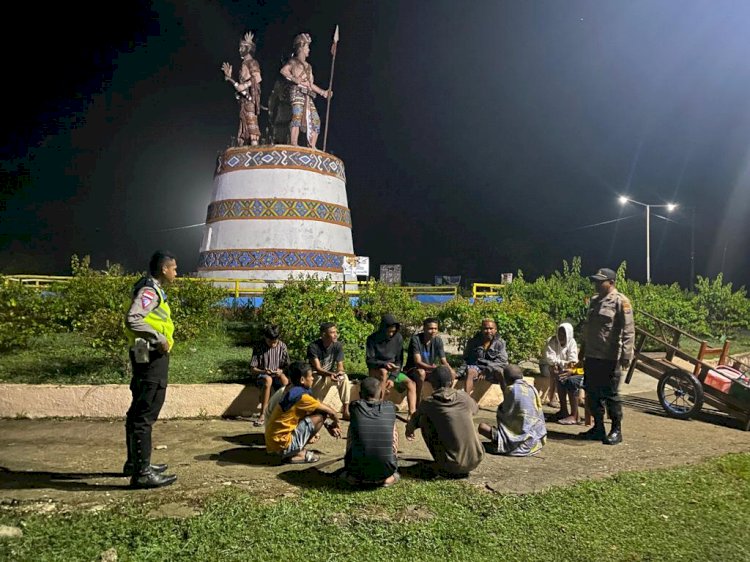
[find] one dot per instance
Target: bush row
(94, 302)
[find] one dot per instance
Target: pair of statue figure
(291, 107)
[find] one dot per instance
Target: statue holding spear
(302, 91)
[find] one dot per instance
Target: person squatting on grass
(150, 331)
(485, 356)
(385, 356)
(326, 356)
(372, 440)
(560, 354)
(426, 350)
(520, 427)
(445, 419)
(298, 417)
(270, 358)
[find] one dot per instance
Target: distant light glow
(671, 207)
(623, 199)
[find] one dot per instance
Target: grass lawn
(689, 513)
(69, 358)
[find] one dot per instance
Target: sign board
(390, 274)
(357, 265)
(447, 280)
(506, 278)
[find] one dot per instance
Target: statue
(300, 93)
(247, 89)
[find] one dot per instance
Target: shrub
(195, 307)
(22, 315)
(376, 299)
(299, 307)
(726, 311)
(524, 328)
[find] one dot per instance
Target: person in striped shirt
(270, 358)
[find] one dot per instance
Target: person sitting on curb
(270, 358)
(485, 356)
(569, 386)
(520, 427)
(426, 350)
(445, 419)
(560, 354)
(326, 356)
(297, 418)
(372, 441)
(384, 357)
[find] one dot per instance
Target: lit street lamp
(669, 207)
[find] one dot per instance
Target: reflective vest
(160, 318)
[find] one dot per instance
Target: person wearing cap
(326, 356)
(445, 419)
(608, 338)
(485, 356)
(520, 429)
(384, 355)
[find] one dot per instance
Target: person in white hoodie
(560, 354)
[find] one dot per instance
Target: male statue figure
(302, 90)
(248, 92)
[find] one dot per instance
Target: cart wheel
(680, 394)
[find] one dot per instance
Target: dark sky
(478, 137)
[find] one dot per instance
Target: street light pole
(692, 251)
(669, 206)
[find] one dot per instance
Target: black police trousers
(602, 381)
(148, 388)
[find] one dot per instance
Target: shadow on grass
(69, 481)
(73, 370)
(236, 371)
(316, 477)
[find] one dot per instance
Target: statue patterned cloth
(247, 89)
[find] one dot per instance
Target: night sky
(479, 137)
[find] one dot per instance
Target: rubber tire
(687, 380)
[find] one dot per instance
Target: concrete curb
(183, 400)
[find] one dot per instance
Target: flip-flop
(566, 421)
(310, 457)
(258, 423)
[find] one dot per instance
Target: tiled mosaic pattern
(303, 209)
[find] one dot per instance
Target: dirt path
(54, 465)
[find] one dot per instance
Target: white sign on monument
(357, 265)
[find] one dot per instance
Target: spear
(330, 85)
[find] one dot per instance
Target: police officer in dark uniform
(609, 334)
(150, 331)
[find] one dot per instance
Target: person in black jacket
(385, 357)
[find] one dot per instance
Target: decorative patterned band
(280, 156)
(301, 209)
(274, 258)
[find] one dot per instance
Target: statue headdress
(248, 41)
(302, 39)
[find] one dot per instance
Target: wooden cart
(682, 390)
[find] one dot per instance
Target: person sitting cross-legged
(326, 356)
(445, 419)
(298, 417)
(520, 427)
(372, 441)
(485, 356)
(384, 357)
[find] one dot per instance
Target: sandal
(396, 479)
(309, 458)
(567, 421)
(259, 422)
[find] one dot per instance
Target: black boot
(127, 468)
(596, 433)
(615, 434)
(144, 476)
(147, 478)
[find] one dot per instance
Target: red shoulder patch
(147, 297)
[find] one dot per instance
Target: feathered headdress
(302, 39)
(248, 41)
